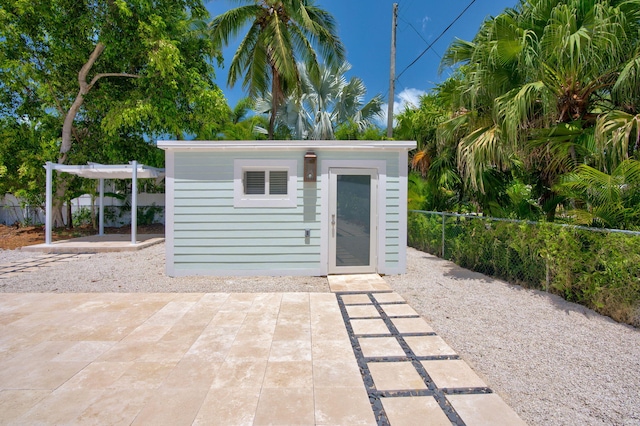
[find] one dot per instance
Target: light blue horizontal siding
(211, 234)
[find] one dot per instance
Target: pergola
(132, 171)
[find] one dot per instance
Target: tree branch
(110, 74)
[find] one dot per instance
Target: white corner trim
(169, 212)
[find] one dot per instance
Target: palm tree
(537, 80)
(612, 200)
(327, 100)
(280, 32)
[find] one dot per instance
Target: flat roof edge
(285, 145)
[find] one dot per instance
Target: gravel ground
(135, 272)
(554, 362)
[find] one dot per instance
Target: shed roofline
(285, 145)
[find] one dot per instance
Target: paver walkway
(260, 358)
(11, 269)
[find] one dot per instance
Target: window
(271, 182)
(265, 183)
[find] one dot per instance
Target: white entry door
(352, 220)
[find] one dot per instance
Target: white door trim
(334, 220)
(381, 197)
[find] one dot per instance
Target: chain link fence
(599, 268)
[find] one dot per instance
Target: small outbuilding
(285, 207)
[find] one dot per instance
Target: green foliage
(600, 270)
(147, 214)
(351, 131)
(326, 101)
(154, 77)
(278, 35)
(542, 88)
(82, 216)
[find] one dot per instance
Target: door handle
(333, 225)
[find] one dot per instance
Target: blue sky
(364, 27)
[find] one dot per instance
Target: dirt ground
(12, 237)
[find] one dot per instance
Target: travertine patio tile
(115, 407)
(282, 406)
(212, 348)
(332, 350)
(227, 318)
(290, 350)
(411, 325)
(343, 406)
(328, 328)
(98, 375)
(128, 350)
(484, 410)
(288, 374)
(332, 374)
(148, 332)
(170, 313)
(229, 406)
(84, 351)
(404, 411)
(322, 298)
(171, 406)
(60, 407)
(15, 403)
(292, 331)
(249, 350)
(355, 299)
(240, 374)
(47, 375)
(362, 311)
(399, 310)
(395, 376)
(380, 347)
(144, 375)
(261, 331)
(369, 326)
(388, 297)
(192, 373)
(452, 374)
(428, 346)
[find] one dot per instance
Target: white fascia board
(285, 145)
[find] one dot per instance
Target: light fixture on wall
(310, 166)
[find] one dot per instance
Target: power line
(420, 35)
(436, 39)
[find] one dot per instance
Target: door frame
(381, 167)
(334, 172)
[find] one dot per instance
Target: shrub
(600, 270)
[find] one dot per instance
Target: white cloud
(408, 98)
(425, 20)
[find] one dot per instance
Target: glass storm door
(352, 220)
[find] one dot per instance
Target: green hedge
(600, 270)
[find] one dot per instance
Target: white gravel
(139, 271)
(554, 362)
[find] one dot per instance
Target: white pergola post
(48, 204)
(134, 201)
(101, 211)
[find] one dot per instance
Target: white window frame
(240, 199)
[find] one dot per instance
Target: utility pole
(392, 76)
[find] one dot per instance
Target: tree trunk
(276, 100)
(67, 126)
(69, 215)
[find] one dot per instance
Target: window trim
(240, 199)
